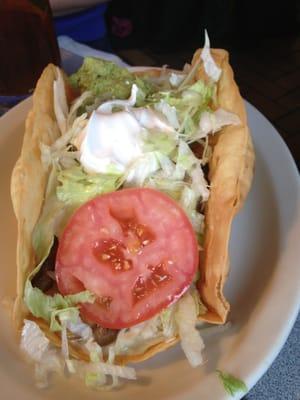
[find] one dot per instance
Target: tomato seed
(111, 252)
(142, 288)
(117, 265)
(139, 230)
(139, 235)
(104, 301)
(127, 265)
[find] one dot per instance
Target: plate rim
(24, 106)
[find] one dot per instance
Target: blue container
(85, 26)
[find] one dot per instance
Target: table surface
(282, 380)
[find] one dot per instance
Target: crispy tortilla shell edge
(29, 179)
(230, 174)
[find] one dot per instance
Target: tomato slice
(134, 248)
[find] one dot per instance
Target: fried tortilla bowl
(230, 176)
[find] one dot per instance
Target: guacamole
(107, 80)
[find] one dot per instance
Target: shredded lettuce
(185, 160)
(210, 66)
(183, 107)
(231, 384)
(166, 165)
(200, 307)
(169, 112)
(174, 171)
(96, 371)
(186, 319)
(75, 107)
(61, 153)
(191, 72)
(188, 201)
(108, 106)
(77, 187)
(168, 322)
(60, 101)
(199, 184)
(95, 350)
(182, 179)
(211, 122)
(199, 93)
(171, 187)
(33, 341)
(64, 340)
(108, 369)
(144, 167)
(48, 359)
(48, 307)
(180, 319)
(80, 329)
(160, 141)
(176, 79)
(60, 317)
(38, 348)
(140, 337)
(160, 81)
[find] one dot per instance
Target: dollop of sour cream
(112, 141)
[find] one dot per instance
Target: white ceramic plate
(263, 286)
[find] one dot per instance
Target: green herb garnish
(231, 384)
